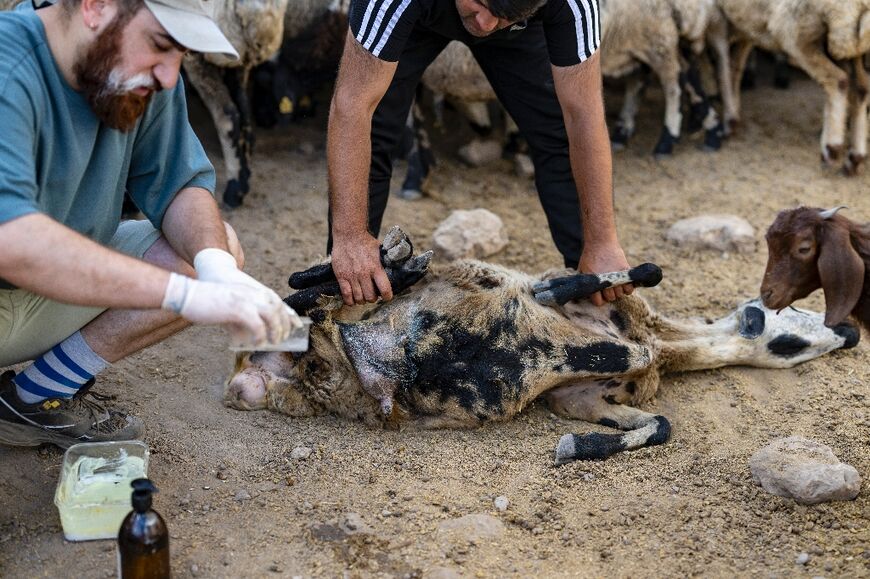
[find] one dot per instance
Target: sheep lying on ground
(255, 28)
(650, 32)
(811, 248)
(479, 342)
(827, 39)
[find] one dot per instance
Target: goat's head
(809, 248)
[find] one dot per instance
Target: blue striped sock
(60, 372)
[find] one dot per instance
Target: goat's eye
(805, 249)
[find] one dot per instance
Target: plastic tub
(93, 494)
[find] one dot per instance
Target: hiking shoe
(61, 421)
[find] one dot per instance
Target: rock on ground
(473, 527)
(479, 153)
(477, 233)
(718, 232)
(804, 470)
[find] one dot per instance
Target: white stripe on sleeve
(362, 29)
(389, 30)
(373, 35)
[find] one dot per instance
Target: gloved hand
(216, 265)
(253, 314)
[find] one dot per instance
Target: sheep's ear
(841, 270)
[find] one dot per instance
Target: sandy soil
(686, 508)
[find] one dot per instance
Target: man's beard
(104, 87)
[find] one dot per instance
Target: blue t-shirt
(58, 159)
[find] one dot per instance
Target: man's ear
(841, 270)
(96, 14)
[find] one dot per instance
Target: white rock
(501, 503)
(473, 527)
(243, 495)
(478, 153)
(300, 452)
(804, 470)
(477, 233)
(718, 232)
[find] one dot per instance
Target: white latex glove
(253, 314)
(217, 265)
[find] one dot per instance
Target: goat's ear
(841, 270)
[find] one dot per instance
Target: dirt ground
(688, 507)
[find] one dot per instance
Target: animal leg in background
(602, 402)
(209, 82)
(624, 128)
(860, 97)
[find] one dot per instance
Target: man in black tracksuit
(540, 58)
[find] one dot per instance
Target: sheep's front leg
(625, 126)
(602, 402)
(669, 75)
(835, 82)
(236, 80)
(858, 121)
(420, 158)
(742, 50)
(717, 36)
(208, 80)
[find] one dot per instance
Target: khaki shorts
(30, 325)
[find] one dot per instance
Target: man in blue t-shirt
(540, 56)
(91, 106)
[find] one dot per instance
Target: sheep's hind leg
(860, 100)
(208, 81)
(669, 75)
(601, 402)
(625, 126)
(420, 157)
(236, 80)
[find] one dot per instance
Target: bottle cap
(143, 488)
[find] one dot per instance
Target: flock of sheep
(826, 38)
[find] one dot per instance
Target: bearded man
(540, 57)
(91, 106)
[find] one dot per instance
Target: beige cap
(190, 24)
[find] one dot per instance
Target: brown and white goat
(811, 248)
(478, 342)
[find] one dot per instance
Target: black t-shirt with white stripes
(572, 27)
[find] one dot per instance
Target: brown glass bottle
(143, 541)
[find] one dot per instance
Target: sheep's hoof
(410, 194)
(234, 194)
(832, 155)
(665, 147)
(854, 165)
(713, 138)
(697, 115)
(619, 138)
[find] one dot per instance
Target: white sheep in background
(650, 32)
(827, 39)
(255, 28)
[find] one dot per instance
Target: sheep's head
(809, 248)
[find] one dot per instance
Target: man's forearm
(43, 256)
(348, 157)
(193, 206)
(592, 168)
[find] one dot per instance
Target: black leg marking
(850, 333)
(561, 290)
(597, 446)
(752, 323)
(665, 146)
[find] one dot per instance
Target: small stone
(475, 234)
(717, 232)
(802, 559)
(501, 503)
(194, 569)
(300, 453)
(474, 527)
(803, 470)
(243, 495)
(206, 488)
(275, 568)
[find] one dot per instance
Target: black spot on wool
(476, 367)
(787, 346)
(599, 358)
(619, 321)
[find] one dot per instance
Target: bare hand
(356, 262)
(601, 259)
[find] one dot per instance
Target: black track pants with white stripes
(519, 71)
